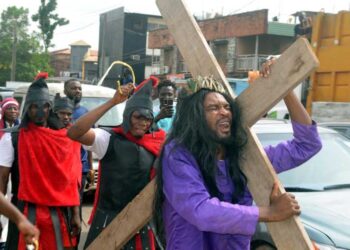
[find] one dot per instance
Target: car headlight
(319, 246)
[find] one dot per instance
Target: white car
(321, 186)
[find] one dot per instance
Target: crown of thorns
(207, 82)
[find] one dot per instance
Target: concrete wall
(231, 53)
(268, 44)
(77, 56)
(219, 49)
(60, 63)
(331, 111)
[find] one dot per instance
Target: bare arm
(75, 221)
(9, 210)
(81, 131)
(165, 112)
(296, 109)
(282, 206)
(24, 226)
(4, 178)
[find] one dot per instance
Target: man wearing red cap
(9, 114)
(127, 154)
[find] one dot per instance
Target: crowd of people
(192, 146)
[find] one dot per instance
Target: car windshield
(112, 118)
(329, 168)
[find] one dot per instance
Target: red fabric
(152, 142)
(44, 75)
(153, 173)
(138, 242)
(152, 241)
(47, 239)
(154, 80)
(50, 167)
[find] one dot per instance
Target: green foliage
(29, 54)
(192, 85)
(48, 21)
(12, 18)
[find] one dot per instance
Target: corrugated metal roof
(280, 29)
(61, 51)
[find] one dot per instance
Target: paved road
(87, 207)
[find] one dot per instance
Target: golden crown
(208, 82)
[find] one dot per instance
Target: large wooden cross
(294, 65)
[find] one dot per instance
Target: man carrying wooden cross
(200, 186)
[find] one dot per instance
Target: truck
(328, 95)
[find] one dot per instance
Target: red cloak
(49, 166)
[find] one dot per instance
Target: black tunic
(124, 172)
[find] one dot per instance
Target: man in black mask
(127, 155)
(44, 174)
(63, 108)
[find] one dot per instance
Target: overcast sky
(84, 15)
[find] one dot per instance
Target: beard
(76, 99)
(223, 141)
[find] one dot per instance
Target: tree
(14, 37)
(14, 27)
(48, 21)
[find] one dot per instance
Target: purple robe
(194, 220)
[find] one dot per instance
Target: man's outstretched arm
(296, 109)
(81, 131)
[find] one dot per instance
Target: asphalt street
(87, 207)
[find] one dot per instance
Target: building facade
(60, 61)
(123, 37)
(79, 62)
(239, 42)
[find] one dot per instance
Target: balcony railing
(248, 62)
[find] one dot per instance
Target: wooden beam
(261, 176)
(192, 44)
(286, 73)
(291, 68)
(133, 217)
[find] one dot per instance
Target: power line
(80, 28)
(242, 7)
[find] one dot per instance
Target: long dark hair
(190, 130)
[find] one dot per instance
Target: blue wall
(238, 85)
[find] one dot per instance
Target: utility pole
(14, 51)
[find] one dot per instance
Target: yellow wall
(331, 44)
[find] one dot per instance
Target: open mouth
(224, 125)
